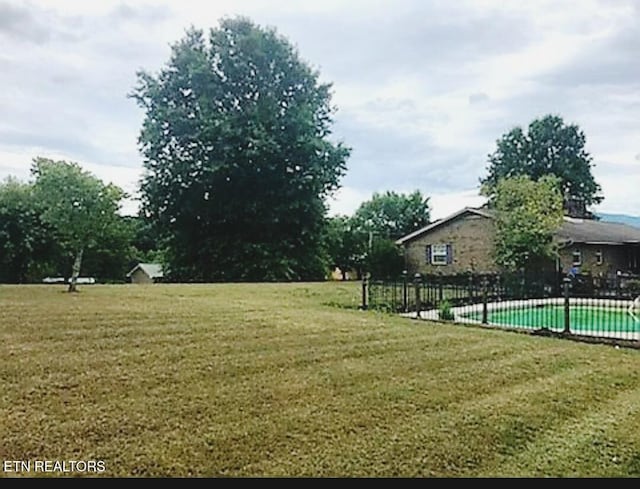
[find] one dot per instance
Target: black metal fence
(582, 305)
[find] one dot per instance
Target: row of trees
(66, 220)
(66, 216)
(239, 161)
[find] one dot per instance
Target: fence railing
(577, 305)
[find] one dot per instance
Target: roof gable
(153, 270)
(435, 224)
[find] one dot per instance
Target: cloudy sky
(423, 87)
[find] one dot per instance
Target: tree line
(239, 161)
(64, 221)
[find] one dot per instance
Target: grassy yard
(293, 380)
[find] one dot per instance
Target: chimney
(576, 207)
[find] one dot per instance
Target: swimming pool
(583, 319)
(607, 318)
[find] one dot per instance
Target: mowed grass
(238, 380)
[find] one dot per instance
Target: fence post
(416, 280)
(365, 295)
(470, 286)
(405, 298)
(567, 317)
(485, 312)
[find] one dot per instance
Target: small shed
(145, 273)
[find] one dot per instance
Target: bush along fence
(579, 305)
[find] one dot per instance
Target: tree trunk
(75, 271)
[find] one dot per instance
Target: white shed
(145, 273)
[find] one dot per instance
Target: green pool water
(582, 318)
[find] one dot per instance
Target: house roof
(431, 226)
(588, 231)
(153, 270)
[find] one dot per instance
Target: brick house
(463, 242)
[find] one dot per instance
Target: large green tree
(392, 215)
(26, 245)
(79, 207)
(237, 156)
(527, 214)
(548, 147)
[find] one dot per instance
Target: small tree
(527, 215)
(77, 205)
(385, 259)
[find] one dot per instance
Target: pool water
(582, 318)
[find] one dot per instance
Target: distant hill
(621, 218)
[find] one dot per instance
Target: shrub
(445, 311)
(633, 286)
(385, 260)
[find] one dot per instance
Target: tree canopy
(79, 207)
(345, 245)
(527, 214)
(392, 215)
(25, 241)
(549, 147)
(237, 156)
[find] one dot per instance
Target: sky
(423, 88)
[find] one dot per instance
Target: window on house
(599, 257)
(576, 258)
(439, 254)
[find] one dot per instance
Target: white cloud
(622, 194)
(443, 205)
(346, 200)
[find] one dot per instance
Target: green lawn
(293, 380)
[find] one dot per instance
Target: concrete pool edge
(459, 313)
